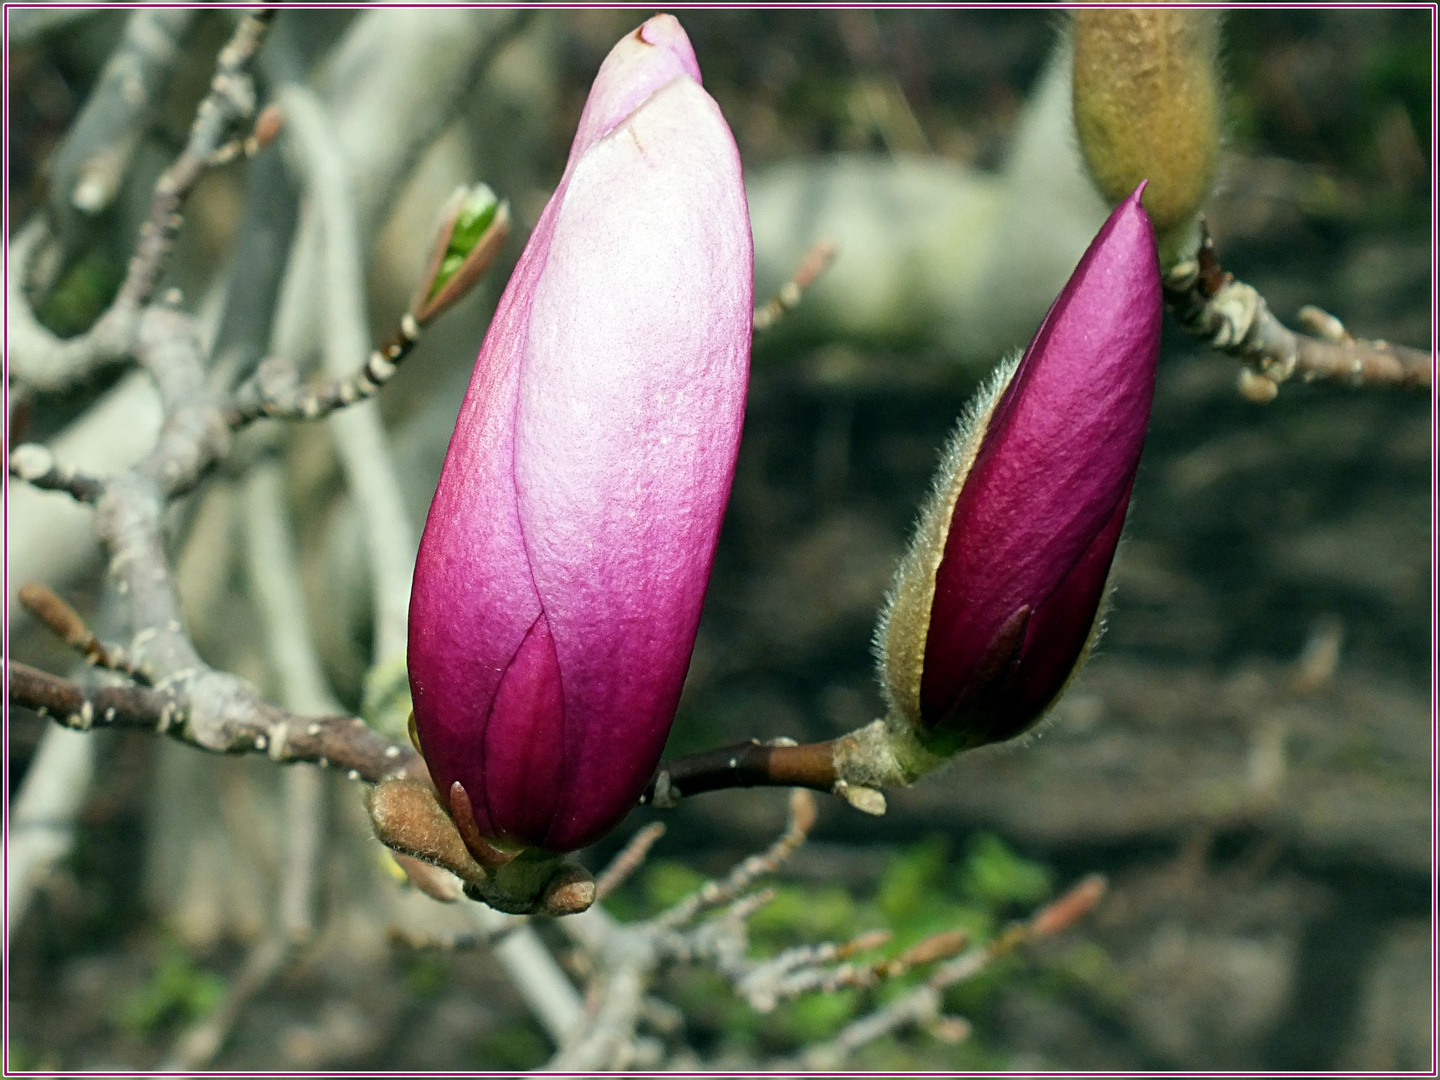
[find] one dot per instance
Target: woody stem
(747, 764)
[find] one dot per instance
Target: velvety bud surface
(1036, 522)
(566, 554)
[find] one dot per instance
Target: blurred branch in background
(88, 167)
(390, 537)
(933, 254)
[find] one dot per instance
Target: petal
(639, 65)
(524, 741)
(1059, 631)
(628, 425)
(473, 600)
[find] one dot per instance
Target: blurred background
(1248, 757)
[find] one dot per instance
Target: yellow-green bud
(1147, 107)
(472, 228)
(476, 212)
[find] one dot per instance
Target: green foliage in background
(426, 974)
(177, 990)
(82, 294)
(1399, 69)
(385, 698)
(520, 1046)
(925, 890)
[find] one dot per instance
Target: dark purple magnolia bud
(997, 603)
(564, 562)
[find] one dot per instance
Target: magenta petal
(623, 455)
(654, 55)
(523, 739)
(1038, 517)
(1057, 633)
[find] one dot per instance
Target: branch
(855, 766)
(1233, 317)
(37, 359)
(275, 584)
(247, 725)
(40, 360)
(272, 565)
(922, 1006)
(90, 164)
(215, 710)
(29, 25)
(199, 1044)
(65, 622)
(748, 764)
(275, 581)
(42, 816)
(816, 261)
(36, 465)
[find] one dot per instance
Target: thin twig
(921, 1006)
(37, 465)
(1233, 317)
(65, 622)
(626, 956)
(816, 261)
(275, 391)
(199, 1044)
(714, 893)
(629, 859)
(230, 100)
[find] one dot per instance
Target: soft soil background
(1265, 821)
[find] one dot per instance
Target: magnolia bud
(1147, 107)
(996, 604)
(565, 558)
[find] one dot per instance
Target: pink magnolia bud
(997, 603)
(564, 562)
